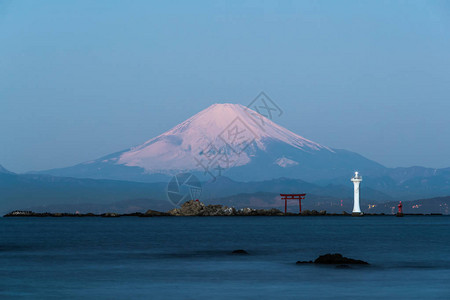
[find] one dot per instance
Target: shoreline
(195, 208)
(30, 214)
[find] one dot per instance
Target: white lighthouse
(356, 181)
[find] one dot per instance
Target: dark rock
(304, 262)
(313, 212)
(110, 215)
(258, 212)
(174, 212)
(135, 214)
(218, 210)
(334, 259)
(20, 213)
(154, 213)
(197, 208)
(240, 252)
(337, 259)
(246, 212)
(192, 208)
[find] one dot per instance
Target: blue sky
(81, 79)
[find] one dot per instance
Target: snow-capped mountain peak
(231, 128)
(223, 138)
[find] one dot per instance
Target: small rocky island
(334, 259)
(189, 208)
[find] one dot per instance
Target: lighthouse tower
(356, 181)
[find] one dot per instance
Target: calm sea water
(189, 258)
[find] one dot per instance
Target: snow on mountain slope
(285, 162)
(220, 127)
(223, 138)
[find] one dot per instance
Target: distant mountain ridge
(207, 146)
(70, 195)
(22, 191)
(5, 171)
(229, 139)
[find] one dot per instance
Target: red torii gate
(298, 197)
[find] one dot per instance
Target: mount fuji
(230, 140)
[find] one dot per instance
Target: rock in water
(110, 215)
(154, 213)
(197, 208)
(304, 262)
(338, 259)
(239, 251)
(192, 208)
(174, 212)
(334, 259)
